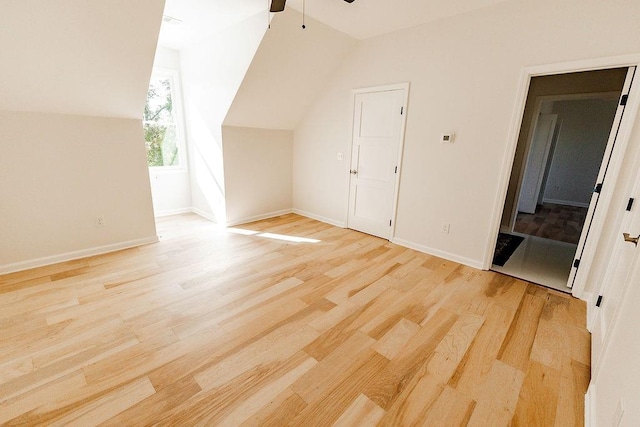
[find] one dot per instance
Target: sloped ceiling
(369, 18)
(199, 19)
(289, 70)
(360, 19)
(77, 57)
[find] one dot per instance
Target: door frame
(527, 164)
(405, 103)
(536, 114)
(624, 134)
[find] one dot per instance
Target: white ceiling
(202, 18)
(360, 19)
(369, 18)
(77, 57)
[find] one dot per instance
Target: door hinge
(630, 204)
(598, 188)
(401, 110)
(576, 263)
(599, 302)
(396, 171)
(624, 99)
(389, 223)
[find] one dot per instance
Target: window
(162, 133)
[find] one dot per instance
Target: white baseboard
(173, 212)
(70, 256)
(206, 215)
(320, 218)
(566, 203)
(258, 217)
(436, 252)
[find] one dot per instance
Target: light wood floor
(242, 328)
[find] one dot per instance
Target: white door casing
(580, 289)
(536, 162)
(377, 137)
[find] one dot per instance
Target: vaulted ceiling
(82, 57)
(360, 19)
(369, 18)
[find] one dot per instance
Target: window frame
(178, 116)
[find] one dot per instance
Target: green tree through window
(159, 124)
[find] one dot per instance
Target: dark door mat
(505, 247)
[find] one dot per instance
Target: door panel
(624, 257)
(536, 161)
(377, 133)
(602, 174)
(373, 162)
(377, 118)
(370, 202)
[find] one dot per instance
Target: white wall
(257, 173)
(578, 153)
(289, 70)
(171, 189)
(212, 71)
(464, 73)
(73, 84)
(58, 173)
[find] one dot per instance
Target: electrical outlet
(100, 221)
(340, 156)
(445, 228)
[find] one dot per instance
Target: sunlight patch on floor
(283, 237)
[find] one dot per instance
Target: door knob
(628, 238)
(354, 172)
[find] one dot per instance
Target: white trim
(320, 218)
(406, 86)
(171, 212)
(437, 252)
(566, 203)
(383, 88)
(179, 117)
(590, 407)
(507, 165)
(589, 298)
(258, 217)
(70, 256)
(206, 215)
(628, 121)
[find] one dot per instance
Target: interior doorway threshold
(541, 261)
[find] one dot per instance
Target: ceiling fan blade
(278, 5)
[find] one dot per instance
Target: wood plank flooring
(286, 321)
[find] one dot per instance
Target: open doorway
(566, 137)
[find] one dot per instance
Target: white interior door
(602, 175)
(536, 161)
(618, 277)
(377, 135)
